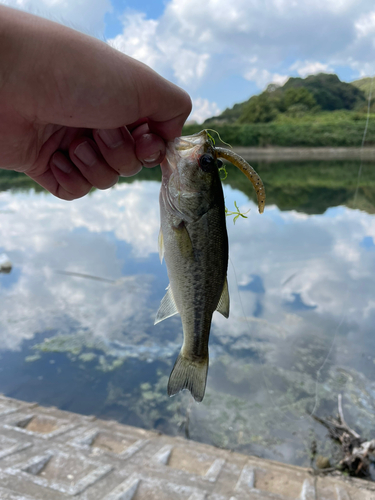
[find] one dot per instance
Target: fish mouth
(186, 147)
(190, 147)
(188, 142)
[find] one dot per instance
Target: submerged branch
(358, 455)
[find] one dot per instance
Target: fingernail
(112, 138)
(152, 158)
(86, 154)
(62, 163)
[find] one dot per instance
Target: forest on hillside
(317, 111)
(296, 98)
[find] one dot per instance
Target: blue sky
(223, 52)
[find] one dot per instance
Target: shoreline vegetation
(276, 153)
(327, 130)
(317, 111)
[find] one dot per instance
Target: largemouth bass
(193, 240)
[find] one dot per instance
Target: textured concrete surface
(46, 453)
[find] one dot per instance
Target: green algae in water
(86, 357)
(31, 359)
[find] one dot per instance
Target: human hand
(74, 112)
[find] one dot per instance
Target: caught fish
(193, 240)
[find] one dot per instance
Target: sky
(223, 52)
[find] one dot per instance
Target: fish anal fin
(167, 307)
(188, 374)
(223, 305)
(161, 245)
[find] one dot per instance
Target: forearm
(41, 61)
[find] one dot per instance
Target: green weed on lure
(193, 240)
(242, 164)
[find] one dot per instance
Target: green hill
(365, 84)
(328, 91)
(298, 96)
(319, 110)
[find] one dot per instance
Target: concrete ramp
(47, 453)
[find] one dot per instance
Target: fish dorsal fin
(223, 305)
(167, 307)
(161, 245)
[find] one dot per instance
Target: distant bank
(320, 131)
(274, 153)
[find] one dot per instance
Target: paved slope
(49, 454)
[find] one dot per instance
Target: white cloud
(305, 68)
(279, 79)
(45, 237)
(203, 109)
(123, 217)
(199, 44)
(365, 25)
(138, 39)
(263, 77)
(190, 66)
(347, 251)
(146, 40)
(319, 258)
(194, 41)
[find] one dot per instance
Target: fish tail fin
(188, 374)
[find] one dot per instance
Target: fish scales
(197, 271)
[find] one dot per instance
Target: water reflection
(77, 309)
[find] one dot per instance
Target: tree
(259, 109)
(299, 96)
(329, 91)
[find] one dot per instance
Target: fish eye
(205, 162)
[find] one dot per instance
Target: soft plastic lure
(248, 170)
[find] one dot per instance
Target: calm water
(77, 309)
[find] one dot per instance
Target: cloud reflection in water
(302, 295)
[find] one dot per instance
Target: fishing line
(343, 316)
(347, 287)
(269, 393)
(345, 300)
(268, 389)
(363, 143)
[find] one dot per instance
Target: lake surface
(78, 307)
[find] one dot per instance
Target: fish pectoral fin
(223, 305)
(182, 237)
(188, 374)
(161, 245)
(167, 307)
